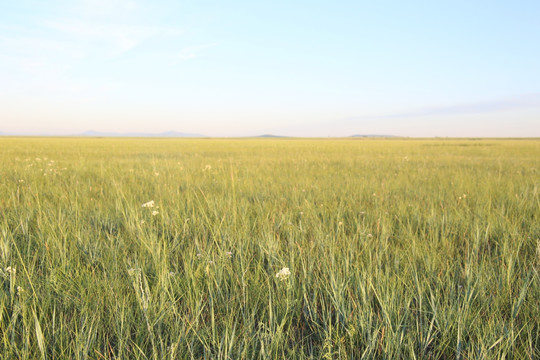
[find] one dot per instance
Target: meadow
(269, 248)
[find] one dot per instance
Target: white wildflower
(154, 213)
(229, 254)
(149, 204)
(19, 290)
(283, 274)
(10, 270)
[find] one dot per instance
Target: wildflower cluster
(283, 274)
(151, 204)
(9, 274)
(46, 166)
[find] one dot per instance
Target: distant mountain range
(270, 136)
(166, 134)
(170, 134)
(373, 136)
(351, 136)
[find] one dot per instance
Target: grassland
(396, 249)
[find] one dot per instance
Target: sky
(296, 68)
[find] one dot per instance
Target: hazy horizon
(301, 69)
(180, 135)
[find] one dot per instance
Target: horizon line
(268, 137)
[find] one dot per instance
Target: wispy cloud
(37, 45)
(56, 46)
(44, 55)
(37, 55)
(107, 7)
(193, 51)
(117, 38)
(524, 101)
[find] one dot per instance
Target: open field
(396, 248)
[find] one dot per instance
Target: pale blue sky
(300, 68)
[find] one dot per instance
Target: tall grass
(397, 249)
